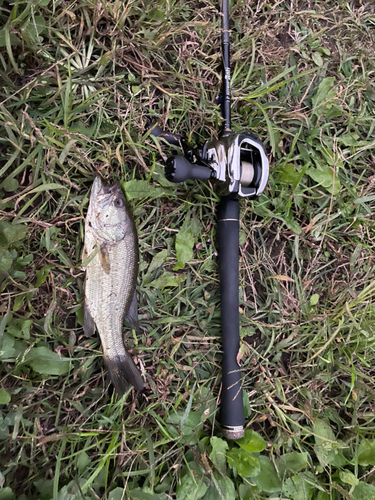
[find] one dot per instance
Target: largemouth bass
(110, 284)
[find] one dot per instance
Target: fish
(111, 251)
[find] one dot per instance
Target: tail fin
(124, 373)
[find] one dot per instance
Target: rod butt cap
(235, 432)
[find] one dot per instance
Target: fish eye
(119, 202)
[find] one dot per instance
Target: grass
(79, 83)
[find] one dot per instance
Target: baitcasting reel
(237, 160)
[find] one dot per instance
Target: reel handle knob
(179, 169)
(174, 139)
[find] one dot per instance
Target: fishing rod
(237, 162)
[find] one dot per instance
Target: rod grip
(232, 413)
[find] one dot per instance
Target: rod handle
(232, 413)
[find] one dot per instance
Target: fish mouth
(103, 193)
(99, 188)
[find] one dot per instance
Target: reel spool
(247, 173)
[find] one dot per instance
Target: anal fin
(131, 317)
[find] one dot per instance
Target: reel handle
(232, 412)
(174, 139)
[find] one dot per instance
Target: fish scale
(111, 279)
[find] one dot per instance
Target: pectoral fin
(104, 258)
(131, 317)
(88, 322)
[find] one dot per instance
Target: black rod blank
(226, 69)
